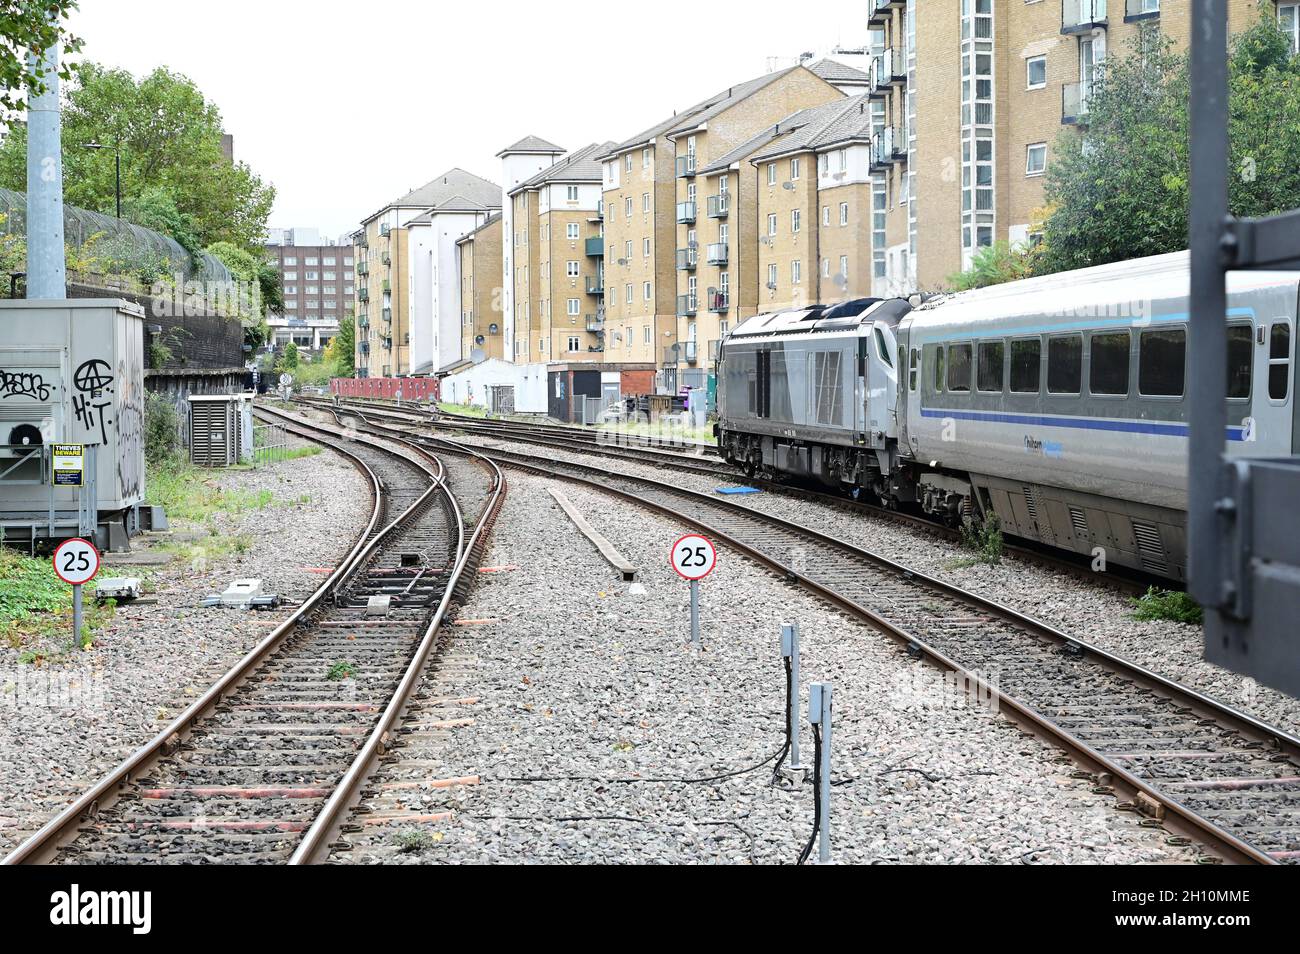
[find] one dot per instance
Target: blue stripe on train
(1082, 423)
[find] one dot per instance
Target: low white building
(520, 386)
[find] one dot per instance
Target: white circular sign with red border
(76, 561)
(694, 556)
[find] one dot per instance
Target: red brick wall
(413, 389)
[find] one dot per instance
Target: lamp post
(117, 171)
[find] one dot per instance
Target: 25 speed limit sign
(694, 556)
(76, 561)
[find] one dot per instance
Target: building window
(330, 261)
(844, 266)
(1036, 70)
(1036, 159)
(312, 261)
(291, 289)
(349, 260)
(627, 251)
(627, 162)
(826, 215)
(796, 272)
(628, 293)
(794, 168)
(645, 334)
(330, 276)
(645, 158)
(771, 173)
(573, 305)
(826, 268)
(290, 276)
(571, 269)
(771, 223)
(571, 193)
(627, 203)
(1288, 18)
(645, 247)
(796, 219)
(573, 343)
(290, 260)
(571, 231)
(771, 275)
(823, 164)
(645, 201)
(844, 213)
(645, 291)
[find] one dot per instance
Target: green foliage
(161, 429)
(255, 273)
(31, 26)
(1121, 189)
(410, 840)
(985, 538)
(341, 670)
(173, 170)
(995, 264)
(343, 347)
(1175, 606)
(36, 605)
(288, 359)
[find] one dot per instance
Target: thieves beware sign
(69, 465)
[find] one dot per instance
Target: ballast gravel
(70, 719)
(589, 731)
(1096, 614)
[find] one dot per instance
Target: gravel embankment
(1096, 614)
(152, 660)
(589, 693)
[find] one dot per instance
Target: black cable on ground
(789, 701)
(817, 794)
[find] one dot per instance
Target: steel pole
(1207, 368)
(46, 277)
(695, 613)
(117, 178)
(824, 847)
(76, 614)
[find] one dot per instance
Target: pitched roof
(532, 144)
(452, 183)
(491, 220)
(821, 126)
(702, 111)
(581, 165)
(833, 71)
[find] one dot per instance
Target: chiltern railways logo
(103, 907)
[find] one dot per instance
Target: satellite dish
(477, 355)
(286, 379)
(478, 339)
(841, 281)
(788, 186)
(622, 261)
(493, 328)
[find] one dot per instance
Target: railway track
(1189, 762)
(708, 464)
(265, 766)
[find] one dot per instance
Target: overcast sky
(345, 106)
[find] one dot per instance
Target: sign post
(76, 561)
(694, 557)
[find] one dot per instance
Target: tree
(994, 264)
(289, 359)
(173, 170)
(258, 276)
(24, 26)
(1120, 190)
(344, 346)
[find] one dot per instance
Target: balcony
(687, 259)
(719, 300)
(596, 324)
(599, 214)
(384, 229)
(363, 322)
(364, 347)
(360, 241)
(1082, 16)
(595, 247)
(887, 147)
(386, 259)
(686, 165)
(363, 267)
(1141, 10)
(690, 351)
(687, 305)
(887, 71)
(387, 314)
(685, 213)
(595, 284)
(719, 206)
(716, 253)
(879, 11)
(387, 286)
(363, 294)
(1074, 104)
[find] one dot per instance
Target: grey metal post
(695, 613)
(790, 649)
(76, 614)
(819, 713)
(1207, 369)
(46, 278)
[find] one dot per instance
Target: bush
(162, 437)
(1173, 605)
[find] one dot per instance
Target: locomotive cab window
(1064, 364)
(1162, 362)
(1108, 363)
(883, 349)
(1279, 361)
(1026, 365)
(989, 375)
(959, 367)
(1240, 353)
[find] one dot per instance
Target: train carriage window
(959, 367)
(1240, 353)
(1279, 361)
(1064, 364)
(1026, 366)
(1162, 362)
(1109, 362)
(914, 369)
(989, 375)
(938, 368)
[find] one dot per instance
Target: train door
(882, 384)
(909, 378)
(1270, 425)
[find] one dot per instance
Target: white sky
(394, 92)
